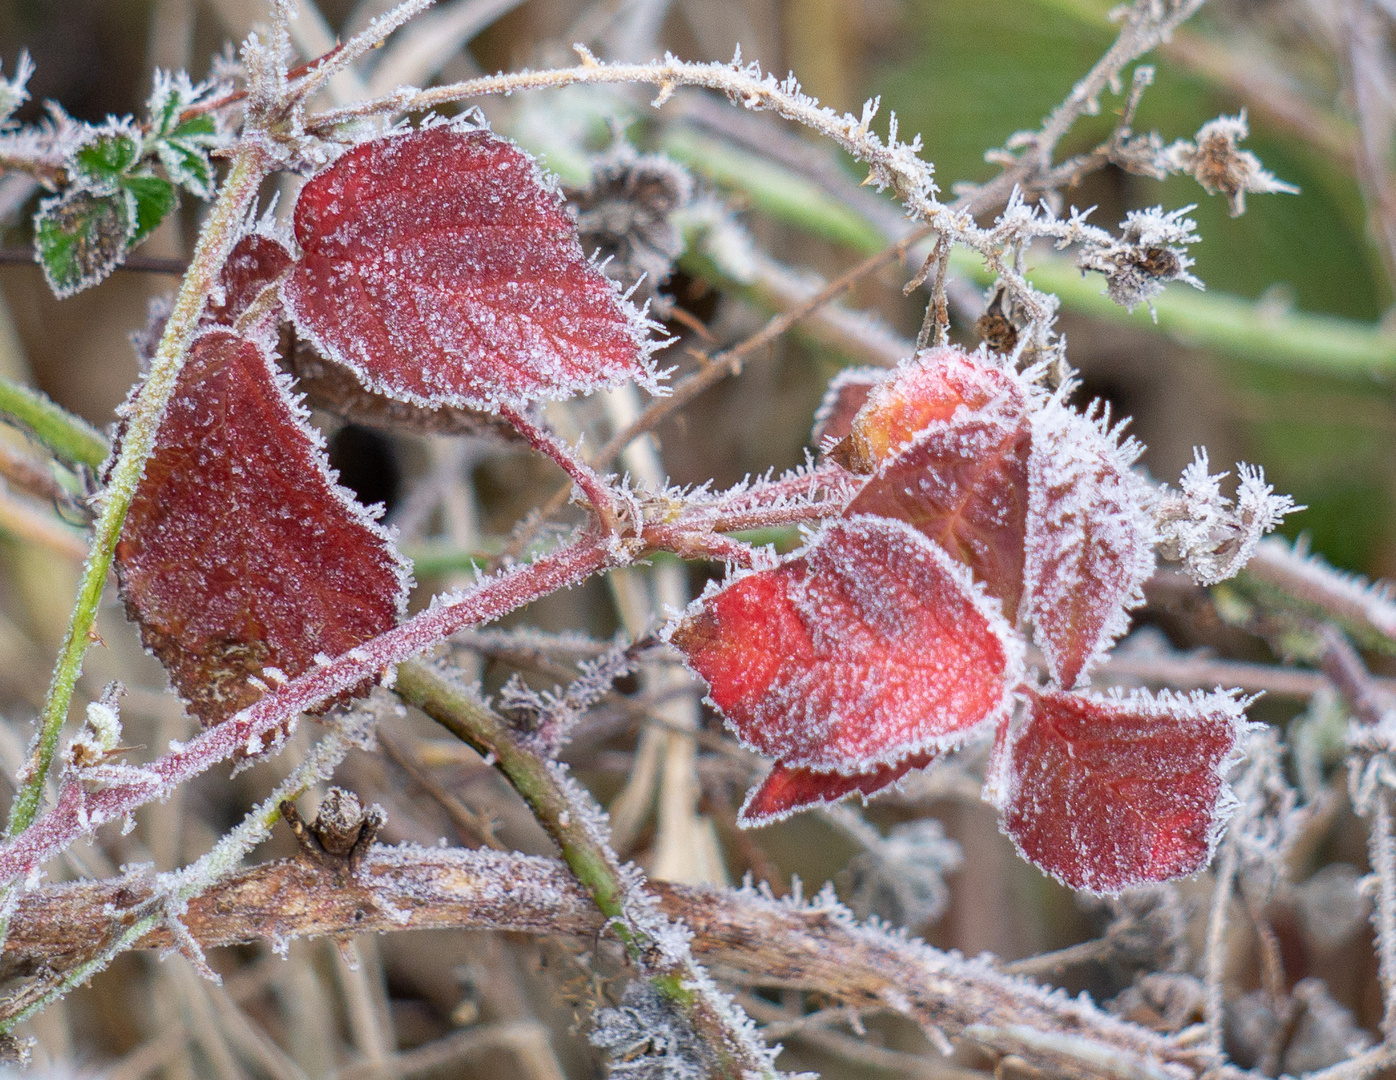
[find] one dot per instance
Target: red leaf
(868, 645)
(240, 559)
(443, 269)
(1089, 539)
(847, 393)
(928, 388)
(255, 262)
(1106, 793)
(786, 790)
(964, 483)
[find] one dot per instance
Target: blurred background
(1317, 81)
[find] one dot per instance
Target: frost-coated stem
(79, 812)
(173, 891)
(216, 240)
(1225, 878)
(601, 497)
(1216, 945)
(658, 948)
(68, 436)
(1383, 856)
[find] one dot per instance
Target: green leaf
(104, 159)
(154, 198)
(187, 164)
(80, 237)
(196, 128)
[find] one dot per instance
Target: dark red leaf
(443, 269)
(786, 790)
(1106, 793)
(928, 388)
(868, 645)
(255, 262)
(1089, 539)
(240, 559)
(964, 483)
(847, 393)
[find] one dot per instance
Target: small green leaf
(107, 157)
(187, 164)
(80, 237)
(196, 127)
(154, 198)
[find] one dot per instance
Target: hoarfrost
(1212, 536)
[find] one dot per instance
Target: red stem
(597, 492)
(79, 812)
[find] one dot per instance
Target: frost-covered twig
(1292, 579)
(777, 943)
(170, 894)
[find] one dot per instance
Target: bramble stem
(601, 497)
(570, 819)
(215, 241)
(68, 436)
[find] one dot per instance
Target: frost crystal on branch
(1212, 536)
(1150, 252)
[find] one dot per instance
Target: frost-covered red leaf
(1107, 793)
(868, 645)
(255, 263)
(240, 558)
(964, 483)
(787, 790)
(443, 269)
(847, 393)
(1089, 539)
(926, 389)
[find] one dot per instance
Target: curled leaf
(1089, 539)
(868, 645)
(964, 483)
(443, 269)
(256, 263)
(787, 790)
(1108, 793)
(240, 558)
(847, 393)
(929, 387)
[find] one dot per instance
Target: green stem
(1227, 324)
(681, 983)
(68, 436)
(465, 717)
(215, 241)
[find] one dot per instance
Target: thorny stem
(215, 241)
(677, 979)
(78, 812)
(596, 490)
(1345, 669)
(174, 891)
